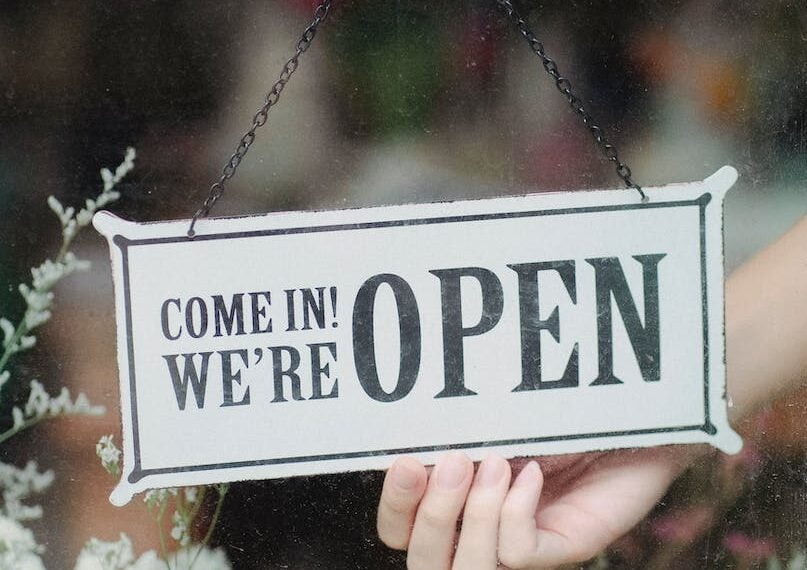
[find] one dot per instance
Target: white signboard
(317, 342)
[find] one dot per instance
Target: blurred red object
(748, 548)
(682, 526)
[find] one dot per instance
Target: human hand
(565, 511)
(590, 500)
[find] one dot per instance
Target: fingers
(605, 502)
(570, 529)
(600, 501)
(518, 539)
(423, 519)
(500, 524)
(403, 488)
(431, 545)
(479, 537)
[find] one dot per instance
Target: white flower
(18, 549)
(84, 217)
(19, 420)
(155, 497)
(86, 561)
(14, 535)
(82, 406)
(205, 559)
(22, 561)
(8, 331)
(38, 400)
(40, 405)
(191, 494)
(107, 197)
(35, 318)
(38, 297)
(35, 299)
(72, 263)
(109, 454)
(180, 529)
(100, 555)
(12, 478)
(18, 485)
(57, 208)
(148, 561)
(19, 512)
(110, 180)
(46, 275)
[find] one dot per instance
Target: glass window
(394, 102)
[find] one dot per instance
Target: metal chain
(260, 118)
(320, 14)
(565, 87)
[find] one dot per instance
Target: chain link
(260, 118)
(565, 87)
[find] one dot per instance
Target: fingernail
(403, 475)
(450, 471)
(490, 472)
(528, 475)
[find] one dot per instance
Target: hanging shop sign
(317, 342)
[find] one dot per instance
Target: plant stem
(222, 489)
(216, 513)
(22, 328)
(23, 426)
(197, 505)
(19, 332)
(163, 549)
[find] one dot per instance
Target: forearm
(766, 323)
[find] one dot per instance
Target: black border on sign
(124, 244)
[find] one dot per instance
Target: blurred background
(404, 101)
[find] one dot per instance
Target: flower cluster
(200, 557)
(17, 485)
(18, 549)
(109, 455)
(38, 296)
(72, 222)
(186, 509)
(155, 498)
(13, 343)
(185, 504)
(41, 405)
(99, 555)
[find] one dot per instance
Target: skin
(569, 508)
